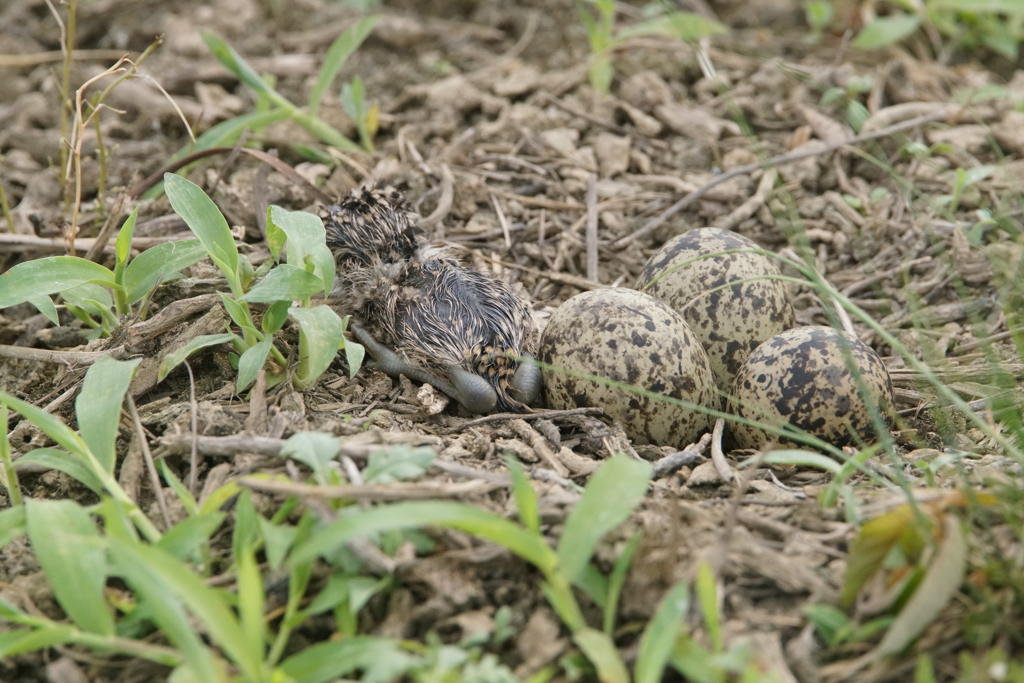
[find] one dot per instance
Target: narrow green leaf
(141, 568)
(525, 496)
(870, 547)
(277, 541)
(117, 519)
(795, 458)
(884, 31)
(330, 661)
(184, 538)
(44, 276)
(237, 311)
(16, 642)
(158, 264)
(275, 316)
(65, 462)
(286, 282)
(250, 599)
(611, 495)
(124, 236)
(250, 362)
(685, 25)
(945, 575)
(659, 637)
(184, 495)
(205, 220)
(172, 359)
(98, 406)
(315, 450)
(320, 333)
(71, 552)
(45, 305)
(602, 653)
(12, 524)
(165, 581)
(339, 52)
(354, 354)
(237, 65)
(51, 425)
(219, 496)
(706, 588)
(413, 515)
(618, 579)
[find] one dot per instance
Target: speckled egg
(802, 377)
(732, 321)
(632, 338)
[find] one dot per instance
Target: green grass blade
(286, 282)
(618, 579)
(98, 406)
(71, 552)
(659, 637)
(611, 495)
(330, 661)
(174, 358)
(706, 588)
(184, 538)
(491, 527)
(16, 642)
(797, 458)
(63, 461)
(158, 264)
(45, 276)
(139, 566)
(277, 541)
(250, 599)
(124, 237)
(884, 31)
(237, 65)
(184, 495)
(339, 52)
(205, 220)
(601, 651)
(162, 579)
(49, 424)
(526, 497)
(320, 333)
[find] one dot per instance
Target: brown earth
(490, 129)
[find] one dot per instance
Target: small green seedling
(98, 296)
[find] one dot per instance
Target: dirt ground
(489, 128)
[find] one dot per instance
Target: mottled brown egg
(802, 377)
(631, 338)
(730, 321)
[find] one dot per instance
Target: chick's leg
(472, 391)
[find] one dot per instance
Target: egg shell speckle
(635, 339)
(732, 321)
(801, 377)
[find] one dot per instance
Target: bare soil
(490, 129)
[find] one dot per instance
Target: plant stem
(10, 475)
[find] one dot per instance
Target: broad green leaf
(277, 541)
(45, 305)
(71, 552)
(275, 316)
(286, 282)
(184, 538)
(250, 362)
(381, 660)
(98, 406)
(320, 333)
(237, 311)
(339, 52)
(602, 653)
(12, 524)
(685, 25)
(144, 569)
(659, 637)
(611, 495)
(397, 463)
(158, 264)
(117, 518)
(168, 583)
(65, 462)
(525, 496)
(306, 237)
(413, 515)
(44, 276)
(205, 220)
(978, 173)
(945, 575)
(796, 458)
(354, 354)
(49, 424)
(172, 359)
(16, 642)
(870, 547)
(884, 31)
(315, 450)
(124, 236)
